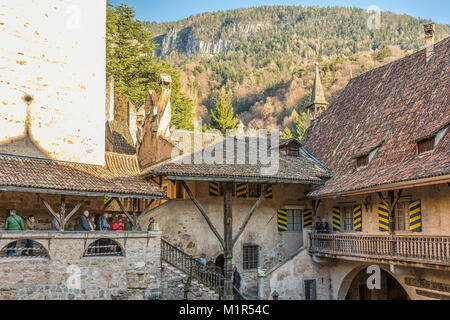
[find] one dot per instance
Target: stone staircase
(251, 292)
(176, 268)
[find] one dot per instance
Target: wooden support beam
(145, 212)
(228, 239)
(75, 210)
(49, 208)
(61, 215)
(249, 216)
(204, 213)
(109, 202)
(391, 201)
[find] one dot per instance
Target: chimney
(109, 109)
(429, 37)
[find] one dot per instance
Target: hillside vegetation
(259, 59)
(263, 57)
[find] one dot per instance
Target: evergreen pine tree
(300, 126)
(223, 115)
(286, 134)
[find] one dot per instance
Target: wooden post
(134, 222)
(62, 213)
(228, 239)
(204, 213)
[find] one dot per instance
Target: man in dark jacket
(236, 284)
(83, 222)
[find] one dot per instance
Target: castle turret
(318, 102)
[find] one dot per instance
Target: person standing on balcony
(83, 222)
(30, 225)
(103, 224)
(13, 223)
(92, 223)
(319, 225)
(55, 225)
(119, 225)
(325, 226)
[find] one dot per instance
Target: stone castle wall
(136, 275)
(52, 79)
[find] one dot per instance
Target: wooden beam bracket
(204, 213)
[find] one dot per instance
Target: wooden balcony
(432, 251)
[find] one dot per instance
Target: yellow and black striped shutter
(357, 218)
(214, 189)
(307, 219)
(282, 220)
(383, 217)
(415, 216)
(336, 219)
(269, 192)
(241, 190)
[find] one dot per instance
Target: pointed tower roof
(318, 95)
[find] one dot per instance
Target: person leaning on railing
(103, 224)
(13, 223)
(30, 224)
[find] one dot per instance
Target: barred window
(250, 257)
(294, 220)
(310, 289)
(254, 190)
(103, 248)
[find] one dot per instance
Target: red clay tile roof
(393, 105)
(119, 178)
(292, 169)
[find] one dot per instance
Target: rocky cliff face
(185, 42)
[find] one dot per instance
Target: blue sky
(172, 10)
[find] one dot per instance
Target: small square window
(310, 290)
(250, 257)
(362, 161)
(294, 220)
(254, 190)
(425, 145)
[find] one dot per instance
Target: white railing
(415, 248)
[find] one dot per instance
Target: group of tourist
(105, 222)
(322, 226)
(102, 223)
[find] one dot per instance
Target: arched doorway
(219, 262)
(390, 288)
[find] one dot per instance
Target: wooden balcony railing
(433, 250)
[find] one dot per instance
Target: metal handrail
(186, 263)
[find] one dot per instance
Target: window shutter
(214, 189)
(383, 217)
(269, 192)
(241, 190)
(357, 218)
(415, 216)
(336, 219)
(307, 219)
(282, 220)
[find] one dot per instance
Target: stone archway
(354, 287)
